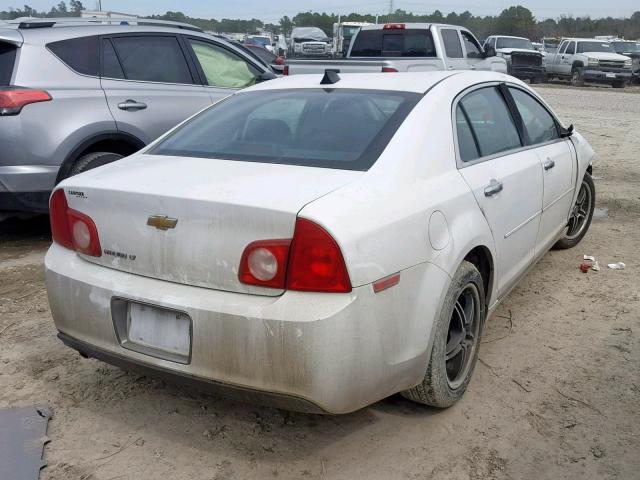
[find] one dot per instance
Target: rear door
(149, 83)
(557, 164)
(505, 178)
(452, 49)
(222, 70)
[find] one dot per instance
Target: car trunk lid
(203, 212)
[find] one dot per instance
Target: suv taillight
(310, 262)
(72, 229)
(13, 100)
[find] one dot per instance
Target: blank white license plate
(610, 75)
(158, 328)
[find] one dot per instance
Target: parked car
(580, 60)
(407, 47)
(265, 55)
(75, 94)
(320, 242)
(632, 50)
(309, 42)
(523, 61)
(263, 41)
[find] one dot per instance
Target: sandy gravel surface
(555, 395)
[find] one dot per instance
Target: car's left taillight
(14, 99)
(72, 229)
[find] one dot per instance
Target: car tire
(577, 79)
(438, 388)
(619, 84)
(93, 160)
(581, 215)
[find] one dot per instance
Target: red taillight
(279, 60)
(12, 101)
(389, 70)
(394, 26)
(72, 229)
(285, 70)
(264, 263)
(310, 262)
(315, 261)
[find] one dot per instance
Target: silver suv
(76, 94)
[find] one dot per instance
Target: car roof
(412, 82)
(61, 32)
(409, 25)
(509, 36)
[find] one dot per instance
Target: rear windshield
(7, 59)
(393, 43)
(341, 128)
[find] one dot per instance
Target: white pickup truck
(407, 47)
(591, 60)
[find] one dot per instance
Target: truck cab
(343, 33)
(591, 60)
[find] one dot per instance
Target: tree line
(517, 20)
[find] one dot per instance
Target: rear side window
(152, 59)
(538, 122)
(80, 54)
(452, 46)
(393, 43)
(491, 121)
(111, 67)
(344, 129)
(223, 68)
(467, 146)
(571, 49)
(7, 60)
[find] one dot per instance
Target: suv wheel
(618, 84)
(93, 160)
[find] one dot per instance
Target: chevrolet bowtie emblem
(162, 222)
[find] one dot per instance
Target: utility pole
(391, 10)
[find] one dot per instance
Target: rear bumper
(26, 187)
(332, 353)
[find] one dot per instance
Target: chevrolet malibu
(319, 244)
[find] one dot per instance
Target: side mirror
(566, 132)
(264, 76)
(489, 51)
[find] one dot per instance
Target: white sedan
(320, 244)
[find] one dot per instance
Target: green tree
(517, 21)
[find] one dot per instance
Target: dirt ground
(556, 394)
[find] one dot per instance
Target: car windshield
(584, 47)
(349, 31)
(506, 42)
(261, 41)
(626, 47)
(333, 128)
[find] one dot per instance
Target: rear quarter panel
(45, 133)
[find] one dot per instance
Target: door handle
(493, 188)
(132, 105)
(549, 164)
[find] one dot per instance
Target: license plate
(159, 329)
(610, 75)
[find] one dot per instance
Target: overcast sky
(272, 10)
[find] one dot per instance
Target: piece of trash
(589, 257)
(616, 266)
(585, 267)
(595, 267)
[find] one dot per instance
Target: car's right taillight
(13, 100)
(389, 70)
(72, 229)
(315, 261)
